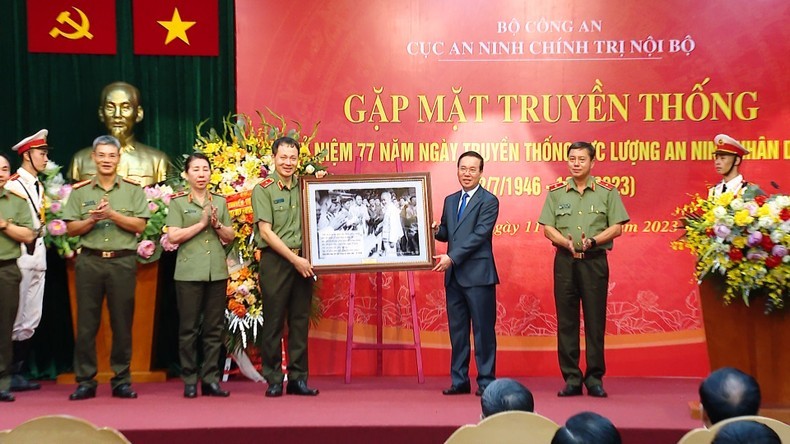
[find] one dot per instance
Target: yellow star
(176, 29)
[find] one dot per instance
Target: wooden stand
(747, 339)
(142, 328)
(380, 346)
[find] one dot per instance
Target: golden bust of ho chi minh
(120, 110)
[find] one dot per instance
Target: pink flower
(152, 193)
(146, 249)
(55, 207)
(166, 199)
(153, 206)
(164, 241)
(57, 227)
(64, 191)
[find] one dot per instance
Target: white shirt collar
(26, 176)
(470, 193)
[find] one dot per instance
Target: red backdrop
(651, 85)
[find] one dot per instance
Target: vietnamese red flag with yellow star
(71, 26)
(176, 27)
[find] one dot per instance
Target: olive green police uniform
(106, 264)
(201, 282)
(584, 279)
(284, 291)
(15, 210)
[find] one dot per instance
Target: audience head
(746, 432)
(504, 395)
(587, 428)
(727, 393)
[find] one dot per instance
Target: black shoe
(274, 390)
(83, 392)
(597, 391)
(300, 388)
(570, 390)
(6, 396)
(20, 384)
(190, 391)
(462, 389)
(479, 391)
(124, 391)
(214, 389)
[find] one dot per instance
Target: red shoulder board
(14, 176)
(133, 182)
(556, 186)
(603, 184)
(266, 182)
(179, 194)
(80, 184)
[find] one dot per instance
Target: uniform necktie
(724, 188)
(462, 207)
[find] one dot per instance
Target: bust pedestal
(142, 328)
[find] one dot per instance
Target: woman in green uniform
(200, 223)
(16, 225)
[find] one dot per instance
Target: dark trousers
(198, 300)
(117, 278)
(285, 295)
(9, 304)
(586, 281)
(478, 306)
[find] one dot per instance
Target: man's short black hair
(587, 428)
(582, 146)
(474, 154)
(746, 432)
(729, 392)
(284, 141)
(505, 394)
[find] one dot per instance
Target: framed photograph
(367, 222)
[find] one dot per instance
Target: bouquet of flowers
(241, 157)
(152, 240)
(744, 238)
(56, 193)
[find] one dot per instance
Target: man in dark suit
(470, 278)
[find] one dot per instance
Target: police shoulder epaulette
(16, 193)
(131, 181)
(266, 182)
(179, 194)
(556, 186)
(14, 176)
(604, 184)
(80, 184)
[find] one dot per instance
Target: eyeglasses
(468, 170)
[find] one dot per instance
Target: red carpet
(369, 410)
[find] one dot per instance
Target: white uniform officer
(727, 159)
(32, 263)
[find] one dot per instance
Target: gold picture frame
(349, 222)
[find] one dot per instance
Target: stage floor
(370, 410)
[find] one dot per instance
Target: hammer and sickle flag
(176, 27)
(71, 26)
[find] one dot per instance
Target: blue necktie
(462, 207)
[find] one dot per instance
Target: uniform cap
(38, 140)
(727, 145)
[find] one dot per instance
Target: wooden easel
(380, 346)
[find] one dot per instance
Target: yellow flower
(739, 242)
(216, 177)
(724, 199)
(743, 218)
(764, 210)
